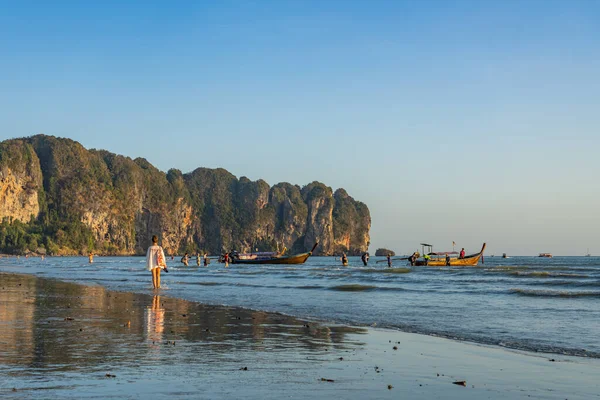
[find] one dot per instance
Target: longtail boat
(275, 259)
(254, 256)
(547, 255)
(438, 259)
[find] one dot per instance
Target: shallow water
(62, 340)
(528, 303)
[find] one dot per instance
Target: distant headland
(56, 197)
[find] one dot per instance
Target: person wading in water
(344, 259)
(155, 261)
(365, 258)
(185, 259)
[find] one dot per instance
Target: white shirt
(152, 257)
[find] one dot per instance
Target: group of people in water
(426, 257)
(155, 260)
(204, 259)
(412, 259)
(364, 258)
(200, 259)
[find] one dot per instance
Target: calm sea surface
(528, 303)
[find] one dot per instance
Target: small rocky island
(381, 252)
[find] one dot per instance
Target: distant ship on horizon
(588, 253)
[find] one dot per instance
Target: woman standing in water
(155, 261)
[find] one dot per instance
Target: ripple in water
(554, 293)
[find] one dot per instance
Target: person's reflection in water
(155, 322)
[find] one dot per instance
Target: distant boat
(439, 259)
(504, 255)
(547, 255)
(274, 259)
(588, 253)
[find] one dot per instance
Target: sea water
(526, 303)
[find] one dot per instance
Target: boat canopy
(443, 253)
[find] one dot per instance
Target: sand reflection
(155, 320)
(17, 320)
(48, 325)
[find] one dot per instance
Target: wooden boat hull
(469, 261)
(295, 259)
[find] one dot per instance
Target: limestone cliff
(20, 181)
(92, 200)
(319, 223)
(289, 215)
(351, 224)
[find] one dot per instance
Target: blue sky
(452, 120)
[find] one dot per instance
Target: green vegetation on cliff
(56, 196)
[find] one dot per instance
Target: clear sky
(463, 121)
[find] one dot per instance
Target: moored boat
(274, 259)
(254, 256)
(444, 258)
(547, 255)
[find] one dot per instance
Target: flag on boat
(453, 244)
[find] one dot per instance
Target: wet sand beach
(64, 340)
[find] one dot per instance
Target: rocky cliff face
(92, 200)
(351, 224)
(289, 217)
(319, 223)
(20, 181)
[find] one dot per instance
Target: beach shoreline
(66, 340)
